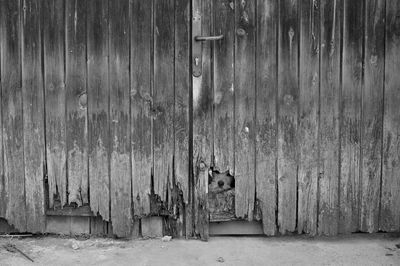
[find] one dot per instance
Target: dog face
(219, 182)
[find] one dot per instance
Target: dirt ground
(360, 249)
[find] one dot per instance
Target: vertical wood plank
(245, 108)
(33, 116)
(141, 104)
(202, 121)
(308, 116)
(76, 87)
(372, 108)
(13, 183)
(53, 47)
(350, 111)
(288, 100)
(163, 95)
(266, 94)
(98, 107)
(390, 202)
(182, 100)
(120, 186)
(223, 75)
(328, 212)
(3, 192)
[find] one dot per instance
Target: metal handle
(208, 38)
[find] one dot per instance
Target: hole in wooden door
(221, 196)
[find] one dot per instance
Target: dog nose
(220, 183)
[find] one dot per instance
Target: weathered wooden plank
(244, 113)
(308, 116)
(33, 116)
(98, 107)
(390, 201)
(120, 186)
(163, 96)
(223, 110)
(266, 95)
(202, 120)
(182, 87)
(3, 203)
(76, 93)
(12, 194)
(53, 47)
(350, 112)
(288, 101)
(372, 118)
(328, 210)
(141, 104)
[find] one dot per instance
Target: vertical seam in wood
(87, 101)
(130, 115)
(152, 66)
(319, 118)
(65, 100)
(234, 87)
(110, 138)
(255, 130)
(341, 23)
(383, 117)
(21, 32)
(299, 6)
(277, 112)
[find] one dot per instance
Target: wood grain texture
(33, 116)
(12, 193)
(202, 123)
(76, 93)
(350, 112)
(223, 75)
(163, 96)
(55, 93)
(3, 191)
(120, 179)
(372, 108)
(288, 100)
(390, 201)
(141, 104)
(266, 126)
(98, 107)
(308, 116)
(181, 121)
(328, 212)
(245, 47)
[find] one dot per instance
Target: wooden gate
(292, 119)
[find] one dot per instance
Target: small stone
(75, 245)
(166, 238)
(221, 259)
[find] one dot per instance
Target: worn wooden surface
(372, 118)
(163, 96)
(55, 93)
(12, 194)
(244, 84)
(390, 196)
(33, 116)
(141, 104)
(350, 112)
(180, 180)
(288, 101)
(266, 126)
(223, 85)
(76, 87)
(98, 107)
(120, 151)
(298, 102)
(308, 116)
(328, 212)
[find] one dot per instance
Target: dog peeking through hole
(219, 182)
